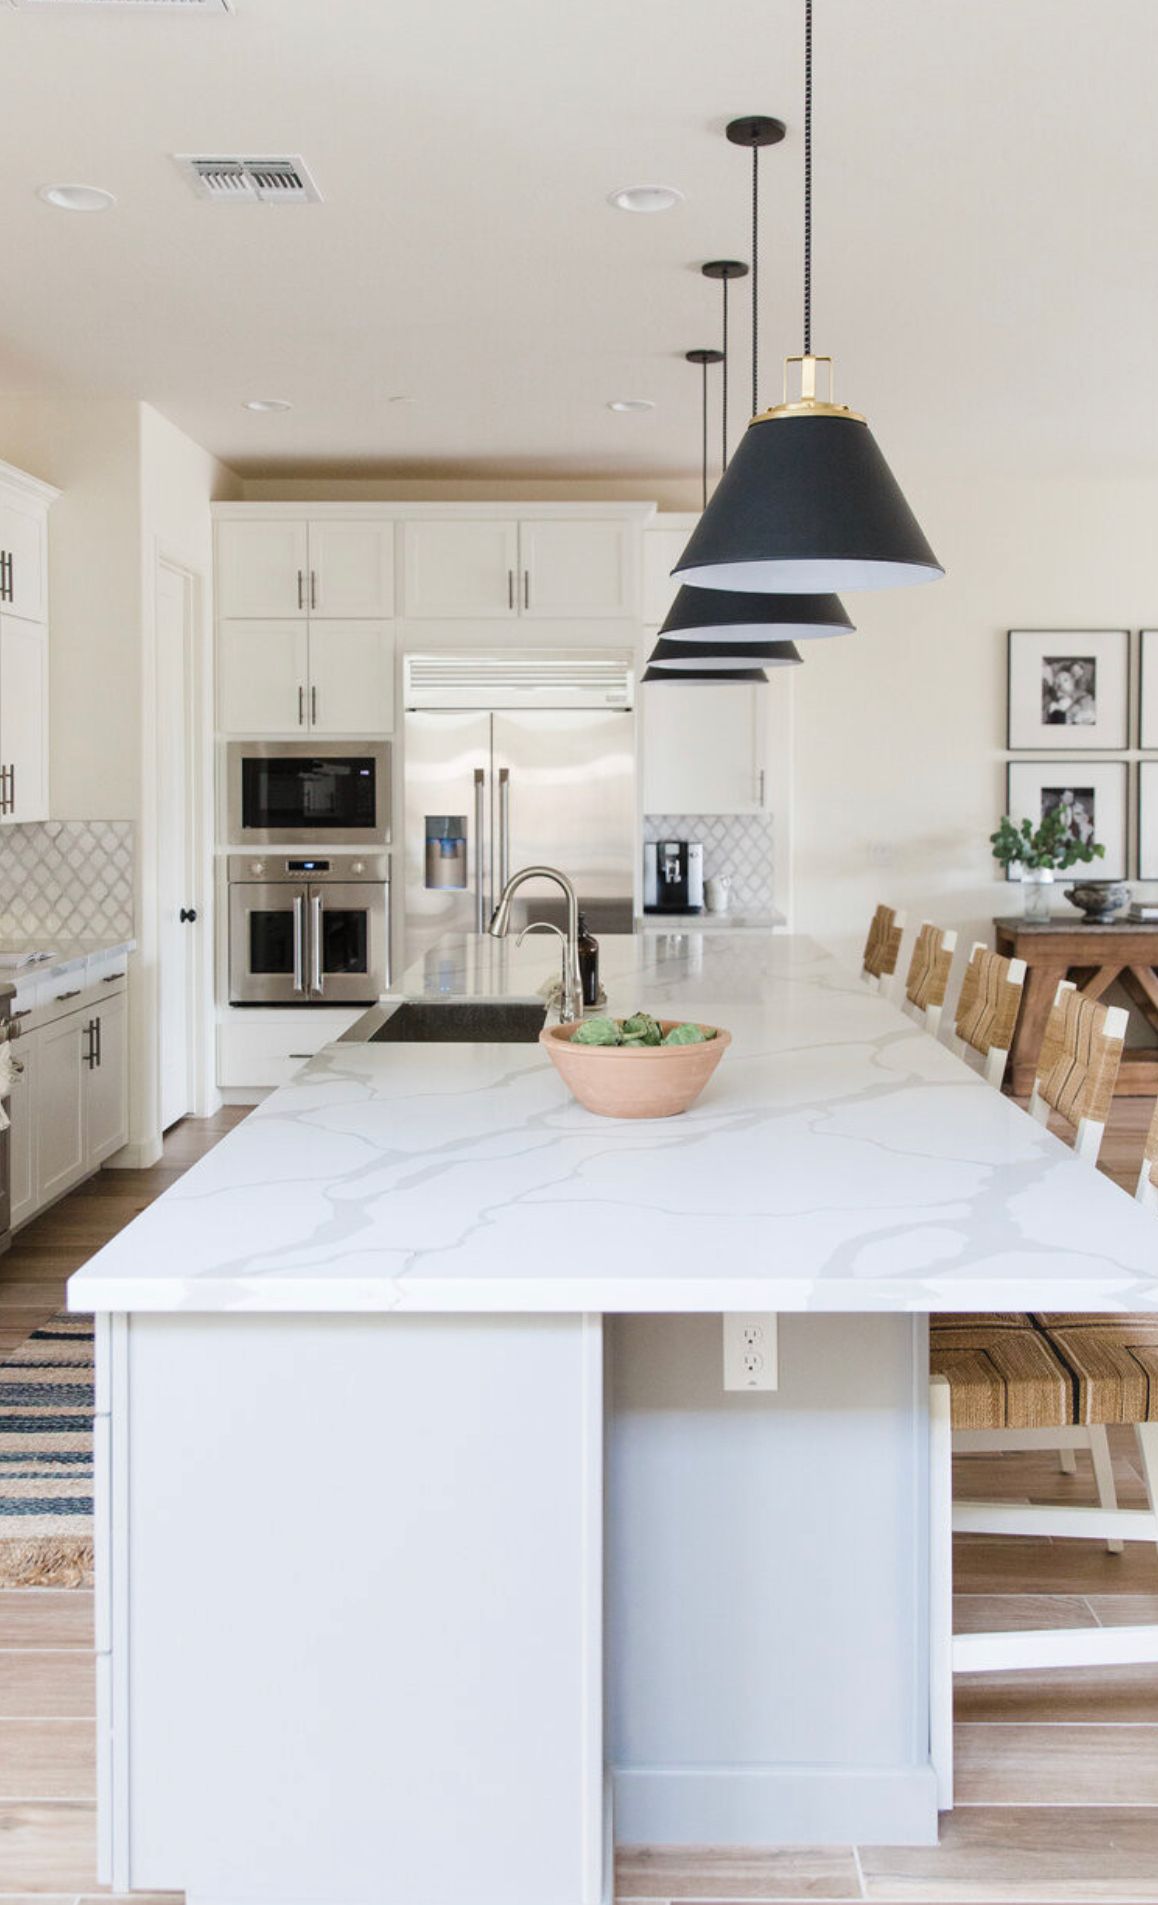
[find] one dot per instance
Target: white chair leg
(1104, 1476)
(941, 1591)
(1147, 1434)
(1067, 1461)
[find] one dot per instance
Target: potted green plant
(1040, 852)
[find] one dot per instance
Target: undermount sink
(452, 1021)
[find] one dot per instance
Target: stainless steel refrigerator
(510, 760)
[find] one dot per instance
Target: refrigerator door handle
(504, 826)
(316, 982)
(480, 782)
(299, 943)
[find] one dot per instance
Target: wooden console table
(1093, 957)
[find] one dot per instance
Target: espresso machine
(673, 876)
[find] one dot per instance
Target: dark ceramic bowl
(1099, 900)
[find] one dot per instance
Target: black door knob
(188, 915)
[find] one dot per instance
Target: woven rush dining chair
(986, 1014)
(927, 981)
(882, 948)
(1019, 1382)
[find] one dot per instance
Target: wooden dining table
(1094, 957)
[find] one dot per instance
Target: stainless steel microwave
(296, 794)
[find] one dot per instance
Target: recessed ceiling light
(646, 198)
(77, 198)
(267, 403)
(631, 403)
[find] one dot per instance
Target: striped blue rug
(46, 1414)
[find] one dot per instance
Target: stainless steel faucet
(571, 1006)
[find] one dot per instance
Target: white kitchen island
(426, 1529)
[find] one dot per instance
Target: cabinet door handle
(3, 790)
(526, 588)
(301, 705)
(301, 589)
(74, 994)
(98, 1040)
(760, 796)
(11, 577)
(25, 1012)
(313, 588)
(12, 788)
(510, 588)
(313, 707)
(88, 1032)
(110, 978)
(7, 590)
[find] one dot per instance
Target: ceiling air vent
(262, 181)
(185, 6)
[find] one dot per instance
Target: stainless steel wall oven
(309, 929)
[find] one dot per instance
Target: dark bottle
(588, 964)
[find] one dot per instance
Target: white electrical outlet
(751, 1351)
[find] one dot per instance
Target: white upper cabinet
(578, 570)
(262, 677)
(263, 568)
(351, 677)
(703, 748)
(23, 719)
(663, 544)
(461, 566)
(538, 570)
(351, 569)
(23, 554)
(272, 568)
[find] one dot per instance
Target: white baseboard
(135, 1157)
(776, 1805)
(246, 1095)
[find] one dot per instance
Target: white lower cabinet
(261, 1047)
(69, 1103)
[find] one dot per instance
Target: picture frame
(1148, 689)
(1097, 791)
(1148, 820)
(1069, 689)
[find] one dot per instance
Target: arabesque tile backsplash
(68, 878)
(739, 844)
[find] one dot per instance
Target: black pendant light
(714, 656)
(708, 615)
(807, 501)
(706, 677)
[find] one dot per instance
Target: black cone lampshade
(807, 503)
(714, 656)
(707, 677)
(732, 615)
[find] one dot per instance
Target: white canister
(718, 893)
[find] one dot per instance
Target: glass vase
(1036, 892)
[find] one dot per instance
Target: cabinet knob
(188, 915)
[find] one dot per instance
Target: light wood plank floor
(1058, 1773)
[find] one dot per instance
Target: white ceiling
(986, 238)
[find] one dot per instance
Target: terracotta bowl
(634, 1081)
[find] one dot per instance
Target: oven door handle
(299, 943)
(317, 983)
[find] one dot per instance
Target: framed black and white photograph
(1090, 794)
(1148, 820)
(1069, 689)
(1148, 689)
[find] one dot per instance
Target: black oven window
(271, 941)
(288, 793)
(345, 941)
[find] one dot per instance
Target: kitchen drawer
(260, 1046)
(76, 990)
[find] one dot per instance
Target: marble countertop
(840, 1160)
(708, 922)
(64, 954)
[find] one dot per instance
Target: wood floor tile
(48, 1849)
(1004, 1854)
(1016, 1765)
(992, 1564)
(1005, 1613)
(54, 1686)
(47, 1759)
(46, 1617)
(1109, 1696)
(1124, 1610)
(720, 1873)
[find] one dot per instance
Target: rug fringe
(47, 1561)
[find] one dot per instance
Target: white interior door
(176, 869)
